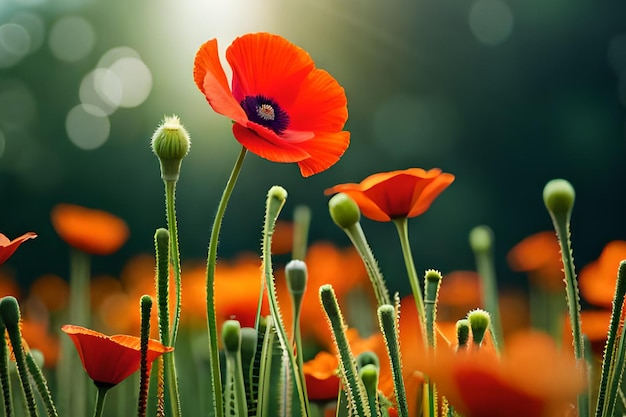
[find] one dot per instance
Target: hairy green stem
(214, 362)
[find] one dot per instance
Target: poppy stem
(388, 320)
(354, 389)
(402, 226)
(144, 369)
(481, 241)
(100, 398)
(558, 196)
(214, 362)
(5, 381)
(79, 314)
(162, 247)
(301, 220)
(170, 193)
(612, 363)
(10, 312)
(276, 198)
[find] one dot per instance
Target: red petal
(7, 247)
(276, 150)
(210, 78)
(269, 65)
(321, 105)
(422, 202)
(324, 149)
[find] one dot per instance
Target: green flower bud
(481, 239)
(231, 336)
(10, 310)
(558, 196)
(170, 142)
(277, 192)
(479, 322)
(249, 340)
(344, 210)
(296, 274)
(367, 358)
(462, 332)
(369, 376)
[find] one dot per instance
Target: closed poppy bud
(462, 332)
(479, 322)
(170, 142)
(10, 311)
(231, 335)
(559, 195)
(481, 239)
(344, 210)
(296, 274)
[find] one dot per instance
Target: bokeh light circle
(35, 27)
(72, 38)
(491, 21)
(87, 126)
(136, 81)
(15, 43)
(92, 87)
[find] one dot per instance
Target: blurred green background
(505, 94)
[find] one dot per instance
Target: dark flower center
(266, 112)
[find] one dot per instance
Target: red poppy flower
(532, 378)
(92, 231)
(284, 108)
(7, 247)
(111, 359)
(389, 195)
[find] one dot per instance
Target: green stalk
(402, 226)
(608, 363)
(170, 203)
(357, 397)
(5, 381)
(301, 220)
(214, 362)
(41, 384)
(481, 241)
(162, 248)
(10, 312)
(144, 369)
(276, 197)
(79, 314)
(100, 398)
(388, 321)
(559, 198)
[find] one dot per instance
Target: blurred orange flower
(396, 194)
(540, 256)
(597, 280)
(52, 290)
(111, 359)
(284, 109)
(320, 374)
(8, 247)
(93, 231)
(460, 292)
(532, 378)
(36, 336)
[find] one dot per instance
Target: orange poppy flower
(7, 247)
(540, 256)
(531, 379)
(52, 290)
(284, 108)
(597, 280)
(320, 374)
(111, 359)
(396, 194)
(93, 231)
